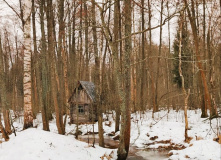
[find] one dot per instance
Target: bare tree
(196, 44)
(97, 78)
(182, 79)
(28, 115)
(123, 148)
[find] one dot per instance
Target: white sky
(12, 23)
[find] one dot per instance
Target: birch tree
(28, 115)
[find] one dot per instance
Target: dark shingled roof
(89, 88)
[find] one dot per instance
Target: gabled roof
(89, 87)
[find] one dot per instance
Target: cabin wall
(81, 98)
(83, 117)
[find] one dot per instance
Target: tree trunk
(124, 144)
(143, 66)
(35, 102)
(159, 60)
(150, 63)
(28, 115)
(86, 41)
(53, 73)
(73, 56)
(116, 36)
(3, 94)
(97, 78)
(7, 123)
(59, 61)
(196, 44)
(43, 97)
(182, 79)
(4, 134)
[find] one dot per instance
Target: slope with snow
(35, 144)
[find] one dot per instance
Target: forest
(110, 79)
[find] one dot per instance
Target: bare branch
(13, 9)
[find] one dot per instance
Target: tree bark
(159, 59)
(115, 45)
(97, 78)
(4, 134)
(86, 41)
(3, 94)
(43, 94)
(53, 74)
(28, 115)
(150, 64)
(182, 79)
(124, 144)
(143, 66)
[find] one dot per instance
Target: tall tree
(86, 40)
(54, 82)
(115, 45)
(123, 148)
(43, 92)
(28, 115)
(159, 59)
(182, 78)
(3, 96)
(97, 77)
(143, 56)
(185, 56)
(194, 28)
(150, 63)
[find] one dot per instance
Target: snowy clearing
(34, 144)
(164, 132)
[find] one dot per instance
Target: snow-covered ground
(165, 132)
(169, 128)
(35, 144)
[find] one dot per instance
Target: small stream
(134, 153)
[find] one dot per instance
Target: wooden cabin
(82, 103)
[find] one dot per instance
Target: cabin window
(80, 109)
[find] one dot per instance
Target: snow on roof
(89, 88)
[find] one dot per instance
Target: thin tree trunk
(34, 59)
(60, 64)
(80, 61)
(44, 108)
(6, 117)
(53, 74)
(182, 79)
(4, 134)
(97, 78)
(159, 59)
(73, 56)
(28, 115)
(3, 94)
(86, 41)
(116, 36)
(211, 72)
(124, 144)
(150, 64)
(166, 60)
(143, 66)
